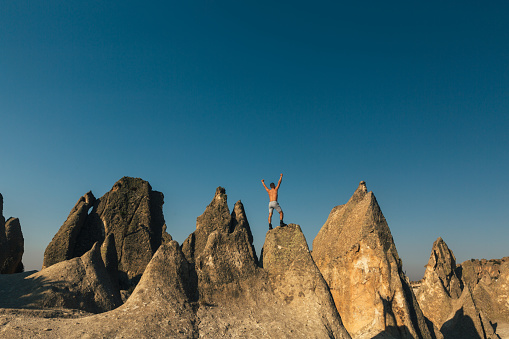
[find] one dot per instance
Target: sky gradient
(412, 98)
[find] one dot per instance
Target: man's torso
(273, 194)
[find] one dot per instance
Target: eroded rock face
(131, 211)
(356, 254)
(80, 283)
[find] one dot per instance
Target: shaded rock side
(11, 244)
(158, 308)
(80, 283)
(489, 282)
(356, 255)
(62, 246)
(15, 247)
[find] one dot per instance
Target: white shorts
(274, 205)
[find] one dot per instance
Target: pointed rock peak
(442, 255)
(442, 265)
(89, 198)
(217, 214)
(359, 193)
(239, 218)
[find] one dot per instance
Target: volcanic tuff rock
(11, 244)
(221, 293)
(447, 296)
(131, 211)
(79, 283)
(356, 254)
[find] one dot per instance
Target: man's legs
(270, 220)
(281, 223)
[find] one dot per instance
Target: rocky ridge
(215, 286)
(221, 293)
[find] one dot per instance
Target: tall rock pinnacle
(356, 254)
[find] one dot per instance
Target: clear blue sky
(411, 97)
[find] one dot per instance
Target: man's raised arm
(263, 182)
(279, 182)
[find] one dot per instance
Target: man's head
(272, 185)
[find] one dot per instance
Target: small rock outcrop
(12, 244)
(131, 211)
(80, 283)
(356, 254)
(449, 300)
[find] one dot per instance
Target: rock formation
(11, 244)
(447, 296)
(355, 253)
(131, 211)
(79, 283)
(489, 282)
(62, 247)
(222, 292)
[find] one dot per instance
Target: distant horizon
(258, 248)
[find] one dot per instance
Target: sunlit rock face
(356, 254)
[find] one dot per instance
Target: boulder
(356, 255)
(80, 283)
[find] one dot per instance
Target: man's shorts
(274, 205)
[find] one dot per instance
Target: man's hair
(272, 185)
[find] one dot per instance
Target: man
(273, 204)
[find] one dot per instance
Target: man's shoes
(270, 227)
(282, 224)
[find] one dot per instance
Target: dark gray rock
(62, 246)
(15, 247)
(11, 244)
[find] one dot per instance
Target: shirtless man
(273, 204)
